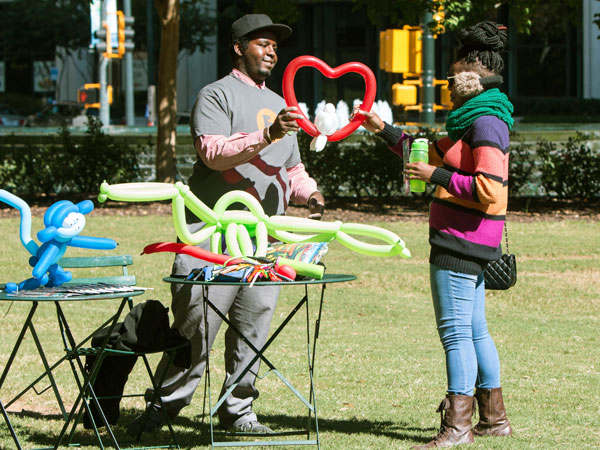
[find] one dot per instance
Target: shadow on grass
(193, 431)
(395, 430)
(34, 414)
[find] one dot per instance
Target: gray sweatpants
(250, 310)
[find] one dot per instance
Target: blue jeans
(471, 355)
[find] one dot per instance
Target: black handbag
(501, 274)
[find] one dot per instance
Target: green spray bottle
(419, 151)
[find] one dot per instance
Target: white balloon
(327, 121)
(318, 143)
(320, 107)
(385, 111)
(304, 109)
(343, 113)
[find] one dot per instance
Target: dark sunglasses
(450, 79)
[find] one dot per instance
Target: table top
(45, 295)
(327, 279)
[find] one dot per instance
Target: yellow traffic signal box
(400, 50)
(404, 94)
(121, 33)
(445, 96)
(89, 95)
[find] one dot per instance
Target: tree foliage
(32, 29)
(525, 14)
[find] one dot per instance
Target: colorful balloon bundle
(245, 272)
(285, 268)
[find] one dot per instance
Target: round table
(311, 403)
(49, 295)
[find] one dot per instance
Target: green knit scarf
(488, 103)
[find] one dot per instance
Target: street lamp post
(427, 115)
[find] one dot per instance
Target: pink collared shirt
(220, 152)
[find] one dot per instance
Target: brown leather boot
(492, 415)
(456, 413)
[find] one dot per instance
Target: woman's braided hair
(483, 43)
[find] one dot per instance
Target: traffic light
(400, 50)
(89, 95)
(394, 44)
(404, 94)
(104, 43)
(445, 96)
(125, 33)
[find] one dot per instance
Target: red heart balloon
(310, 61)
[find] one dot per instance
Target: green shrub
(572, 170)
(359, 166)
(69, 166)
(523, 171)
(363, 168)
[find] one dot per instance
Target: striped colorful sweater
(469, 208)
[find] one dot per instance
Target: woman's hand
(373, 122)
(418, 171)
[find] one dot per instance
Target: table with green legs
(82, 377)
(260, 439)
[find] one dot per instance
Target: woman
(470, 169)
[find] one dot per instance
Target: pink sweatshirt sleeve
(221, 152)
(301, 184)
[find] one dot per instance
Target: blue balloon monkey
(63, 222)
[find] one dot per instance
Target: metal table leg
(28, 325)
(10, 428)
(85, 386)
(310, 404)
(49, 372)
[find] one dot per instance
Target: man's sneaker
(150, 421)
(252, 426)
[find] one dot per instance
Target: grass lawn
(379, 365)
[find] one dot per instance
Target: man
(242, 144)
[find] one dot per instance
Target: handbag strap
(506, 236)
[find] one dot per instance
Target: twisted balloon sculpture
(63, 223)
(240, 226)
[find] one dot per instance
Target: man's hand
(285, 122)
(316, 205)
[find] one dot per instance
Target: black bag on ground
(144, 329)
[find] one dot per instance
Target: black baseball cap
(255, 22)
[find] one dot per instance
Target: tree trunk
(168, 12)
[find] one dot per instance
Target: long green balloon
(238, 226)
